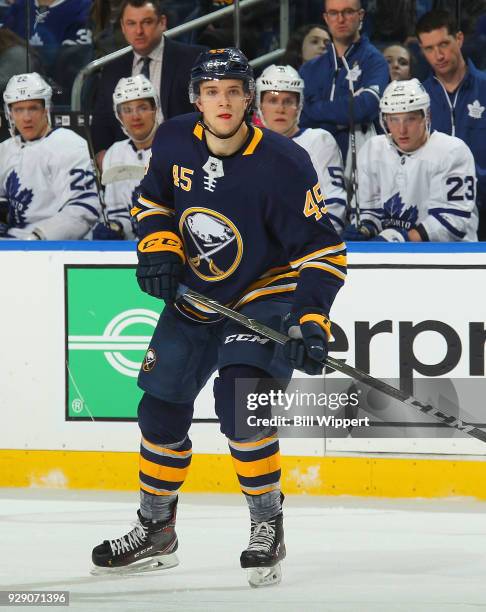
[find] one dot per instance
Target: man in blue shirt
(457, 92)
(344, 86)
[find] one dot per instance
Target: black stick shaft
(339, 366)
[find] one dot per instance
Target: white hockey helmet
(279, 78)
(136, 87)
(404, 97)
(28, 86)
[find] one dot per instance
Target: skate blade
(147, 565)
(264, 576)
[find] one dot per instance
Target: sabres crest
(212, 243)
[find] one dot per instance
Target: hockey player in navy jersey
(236, 213)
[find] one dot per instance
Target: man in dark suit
(165, 62)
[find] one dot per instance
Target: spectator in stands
(413, 185)
(399, 61)
(53, 25)
(137, 108)
(343, 86)
(13, 55)
(458, 94)
(306, 43)
(279, 99)
(47, 186)
(165, 62)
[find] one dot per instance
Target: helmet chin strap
(148, 137)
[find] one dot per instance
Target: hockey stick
(353, 186)
(339, 366)
(127, 172)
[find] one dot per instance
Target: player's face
(314, 43)
(398, 59)
(30, 118)
(223, 104)
(343, 18)
(408, 130)
(138, 118)
(142, 27)
(279, 109)
(442, 50)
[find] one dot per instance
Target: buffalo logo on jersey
(212, 243)
(149, 360)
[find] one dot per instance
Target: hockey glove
(307, 348)
(160, 265)
(112, 231)
(392, 234)
(366, 232)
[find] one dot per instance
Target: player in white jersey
(279, 95)
(413, 185)
(47, 186)
(137, 107)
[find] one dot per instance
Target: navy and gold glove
(307, 348)
(160, 264)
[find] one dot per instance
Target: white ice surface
(343, 554)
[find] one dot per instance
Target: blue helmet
(218, 64)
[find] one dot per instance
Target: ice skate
(265, 551)
(147, 547)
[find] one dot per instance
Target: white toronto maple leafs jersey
(327, 161)
(48, 186)
(122, 195)
(432, 189)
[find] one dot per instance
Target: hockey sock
(257, 466)
(163, 469)
(265, 506)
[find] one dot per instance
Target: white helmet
(404, 97)
(136, 87)
(29, 86)
(279, 78)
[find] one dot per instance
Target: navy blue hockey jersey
(253, 224)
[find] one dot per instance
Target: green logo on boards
(109, 323)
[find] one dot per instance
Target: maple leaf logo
(475, 110)
(18, 200)
(398, 214)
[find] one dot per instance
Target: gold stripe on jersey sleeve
(148, 213)
(249, 297)
(335, 248)
(323, 266)
(134, 211)
(150, 204)
(257, 136)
